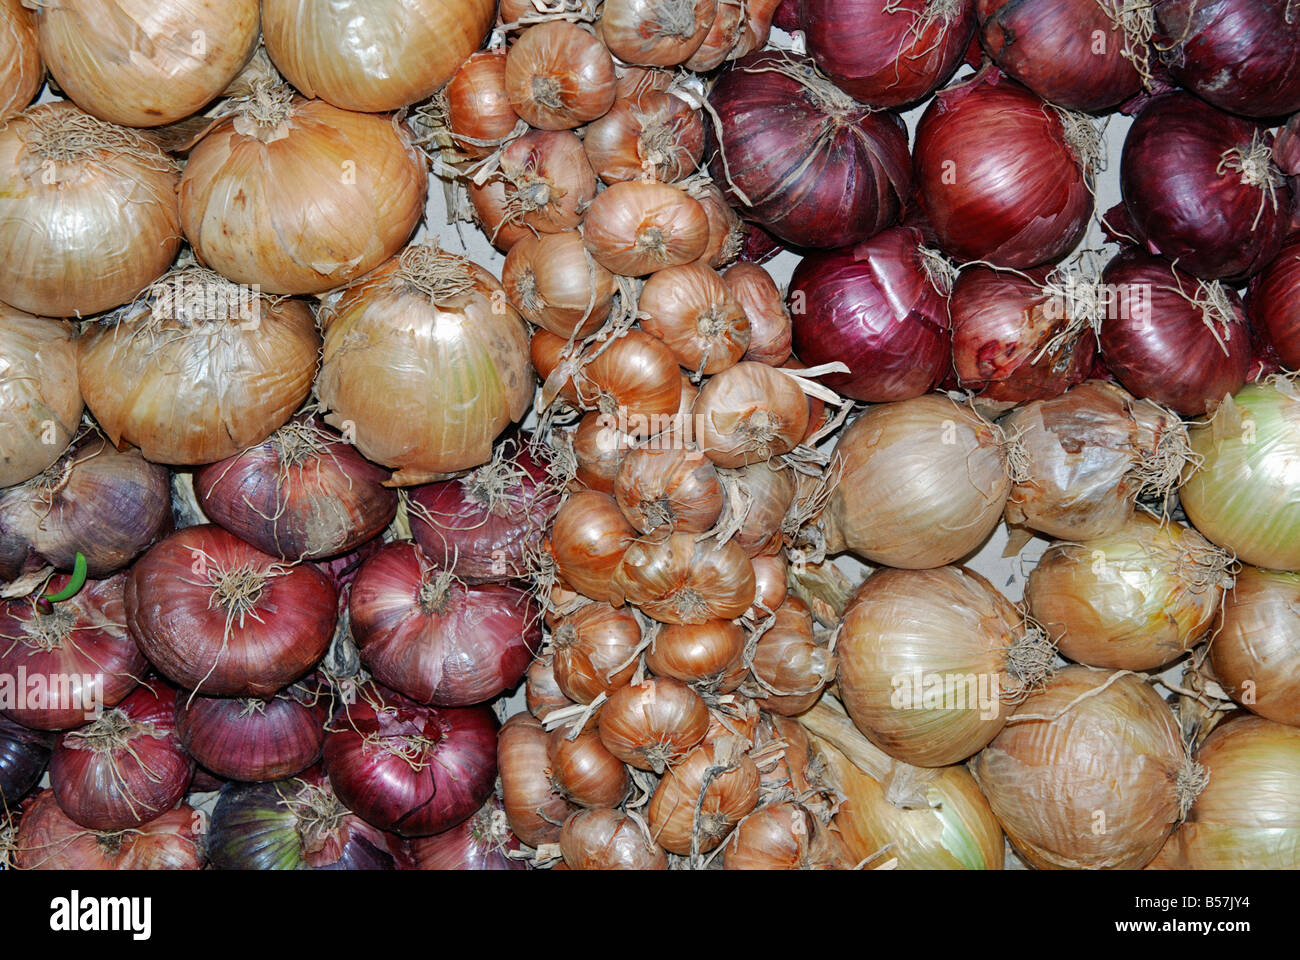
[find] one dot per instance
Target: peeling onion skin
(1256, 652)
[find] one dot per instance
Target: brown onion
(584, 772)
(791, 666)
(546, 185)
(534, 809)
(748, 413)
(769, 321)
(770, 588)
(479, 114)
(589, 538)
(653, 136)
(555, 283)
(542, 692)
(778, 836)
(595, 651)
(709, 655)
(730, 27)
(690, 309)
(652, 725)
(40, 402)
(759, 497)
(638, 227)
(1256, 650)
(599, 448)
(699, 800)
(668, 487)
(685, 580)
(609, 840)
(659, 33)
(558, 76)
(726, 229)
(23, 73)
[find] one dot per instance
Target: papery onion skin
(818, 169)
(1190, 202)
(599, 448)
(997, 177)
(24, 755)
(874, 307)
(729, 795)
(653, 724)
(259, 740)
(636, 384)
(691, 310)
(730, 28)
(765, 492)
(555, 283)
(770, 331)
(749, 413)
(184, 609)
(637, 227)
(477, 106)
(594, 651)
(305, 204)
(1274, 305)
(685, 580)
(589, 538)
(542, 692)
(793, 664)
(548, 183)
(726, 229)
(1118, 751)
(709, 654)
(49, 840)
(1256, 650)
(894, 459)
(584, 771)
(653, 135)
(773, 837)
(668, 487)
(23, 74)
(605, 839)
(483, 842)
(660, 33)
(88, 212)
(558, 76)
(39, 396)
(372, 56)
(534, 809)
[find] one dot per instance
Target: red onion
(23, 756)
(483, 842)
(64, 663)
(1274, 305)
(409, 769)
(48, 840)
(891, 53)
(1200, 188)
(302, 494)
(878, 308)
(485, 524)
(787, 16)
(1240, 55)
(253, 739)
(222, 618)
(126, 768)
(435, 639)
(801, 157)
(1171, 338)
(1001, 175)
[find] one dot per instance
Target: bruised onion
(533, 808)
(683, 579)
(252, 739)
(699, 800)
(659, 33)
(555, 283)
(584, 771)
(691, 309)
(40, 402)
(49, 840)
(652, 725)
(749, 413)
(23, 74)
(668, 487)
(558, 76)
(589, 538)
(595, 651)
(637, 227)
(1255, 652)
(483, 842)
(709, 655)
(609, 840)
(653, 135)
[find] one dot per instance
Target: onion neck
(265, 112)
(51, 626)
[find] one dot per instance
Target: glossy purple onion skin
(1167, 353)
(238, 741)
(450, 779)
(1273, 304)
(881, 58)
(24, 755)
(1212, 224)
(815, 175)
(996, 178)
(873, 307)
(1243, 56)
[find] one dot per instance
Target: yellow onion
(656, 32)
(749, 413)
(372, 55)
(1131, 600)
(558, 76)
(589, 538)
(759, 497)
(1243, 489)
(1089, 773)
(790, 665)
(922, 483)
(673, 488)
(699, 800)
(609, 840)
(1255, 652)
(1248, 817)
(584, 772)
(22, 72)
(770, 588)
(779, 836)
(554, 283)
(199, 368)
(88, 214)
(682, 579)
(479, 115)
(690, 309)
(653, 724)
(770, 331)
(533, 807)
(595, 651)
(425, 364)
(709, 656)
(143, 63)
(40, 402)
(599, 448)
(542, 693)
(1088, 455)
(652, 136)
(300, 196)
(928, 660)
(638, 227)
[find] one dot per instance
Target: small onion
(599, 448)
(730, 26)
(651, 136)
(23, 73)
(542, 691)
(778, 836)
(669, 488)
(759, 499)
(609, 840)
(639, 226)
(633, 381)
(790, 665)
(584, 772)
(654, 724)
(40, 402)
(479, 115)
(769, 322)
(558, 76)
(749, 413)
(555, 283)
(771, 589)
(589, 538)
(709, 655)
(726, 229)
(252, 739)
(660, 33)
(595, 651)
(1255, 652)
(533, 808)
(483, 842)
(685, 580)
(49, 840)
(701, 799)
(691, 309)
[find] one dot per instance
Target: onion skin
(23, 74)
(257, 740)
(770, 330)
(547, 183)
(608, 840)
(558, 76)
(1274, 305)
(729, 795)
(685, 580)
(654, 724)
(1119, 752)
(24, 755)
(48, 840)
(818, 169)
(651, 135)
(599, 448)
(39, 397)
(542, 691)
(483, 842)
(967, 140)
(594, 647)
(676, 489)
(644, 33)
(372, 57)
(749, 413)
(793, 664)
(691, 310)
(533, 807)
(477, 106)
(589, 539)
(583, 771)
(1256, 651)
(874, 307)
(1186, 205)
(638, 227)
(636, 384)
(710, 654)
(554, 283)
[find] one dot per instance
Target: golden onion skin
(40, 402)
(1256, 651)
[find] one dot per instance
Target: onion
(892, 462)
(1090, 453)
(653, 135)
(770, 331)
(760, 500)
(635, 382)
(595, 651)
(23, 73)
(558, 76)
(221, 618)
(654, 724)
(427, 362)
(63, 664)
(584, 772)
(700, 800)
(1002, 176)
(252, 739)
(771, 589)
(479, 115)
(887, 55)
(88, 214)
(556, 284)
(1248, 817)
(1238, 56)
(24, 755)
(928, 658)
(372, 57)
(685, 580)
(40, 403)
(639, 226)
(659, 33)
(533, 808)
(300, 196)
(294, 825)
(483, 842)
(691, 309)
(487, 523)
(127, 767)
(801, 157)
(775, 837)
(599, 448)
(1200, 188)
(542, 691)
(1274, 306)
(609, 840)
(730, 27)
(302, 495)
(1132, 600)
(1089, 773)
(589, 539)
(749, 413)
(669, 488)
(48, 840)
(634, 81)
(1242, 494)
(408, 769)
(434, 638)
(1255, 652)
(708, 656)
(726, 229)
(143, 63)
(879, 308)
(789, 664)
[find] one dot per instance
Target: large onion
(23, 73)
(40, 403)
